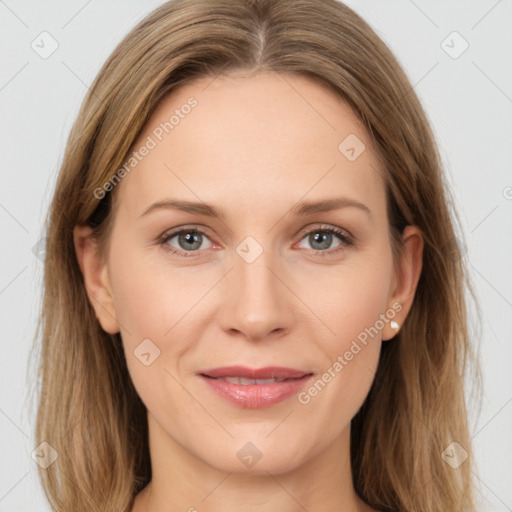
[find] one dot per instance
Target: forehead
(262, 138)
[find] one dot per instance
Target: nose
(257, 304)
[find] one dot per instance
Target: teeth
(244, 381)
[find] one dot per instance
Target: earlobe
(392, 328)
(407, 279)
(96, 280)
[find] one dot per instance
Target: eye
(187, 240)
(322, 238)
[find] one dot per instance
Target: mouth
(255, 388)
(243, 381)
(243, 372)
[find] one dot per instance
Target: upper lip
(269, 372)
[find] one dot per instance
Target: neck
(181, 481)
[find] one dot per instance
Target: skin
(254, 146)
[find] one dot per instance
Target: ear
(97, 284)
(405, 279)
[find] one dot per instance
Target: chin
(256, 455)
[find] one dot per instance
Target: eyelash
(346, 240)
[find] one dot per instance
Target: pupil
(191, 238)
(323, 244)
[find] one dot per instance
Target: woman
(253, 294)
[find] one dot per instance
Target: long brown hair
(89, 411)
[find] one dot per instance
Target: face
(267, 281)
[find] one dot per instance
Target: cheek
(151, 306)
(353, 304)
(351, 299)
(150, 299)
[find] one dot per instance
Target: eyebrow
(301, 209)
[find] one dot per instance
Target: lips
(242, 372)
(255, 388)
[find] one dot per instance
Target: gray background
(468, 100)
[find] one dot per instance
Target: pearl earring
(394, 325)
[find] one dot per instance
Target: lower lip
(256, 396)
